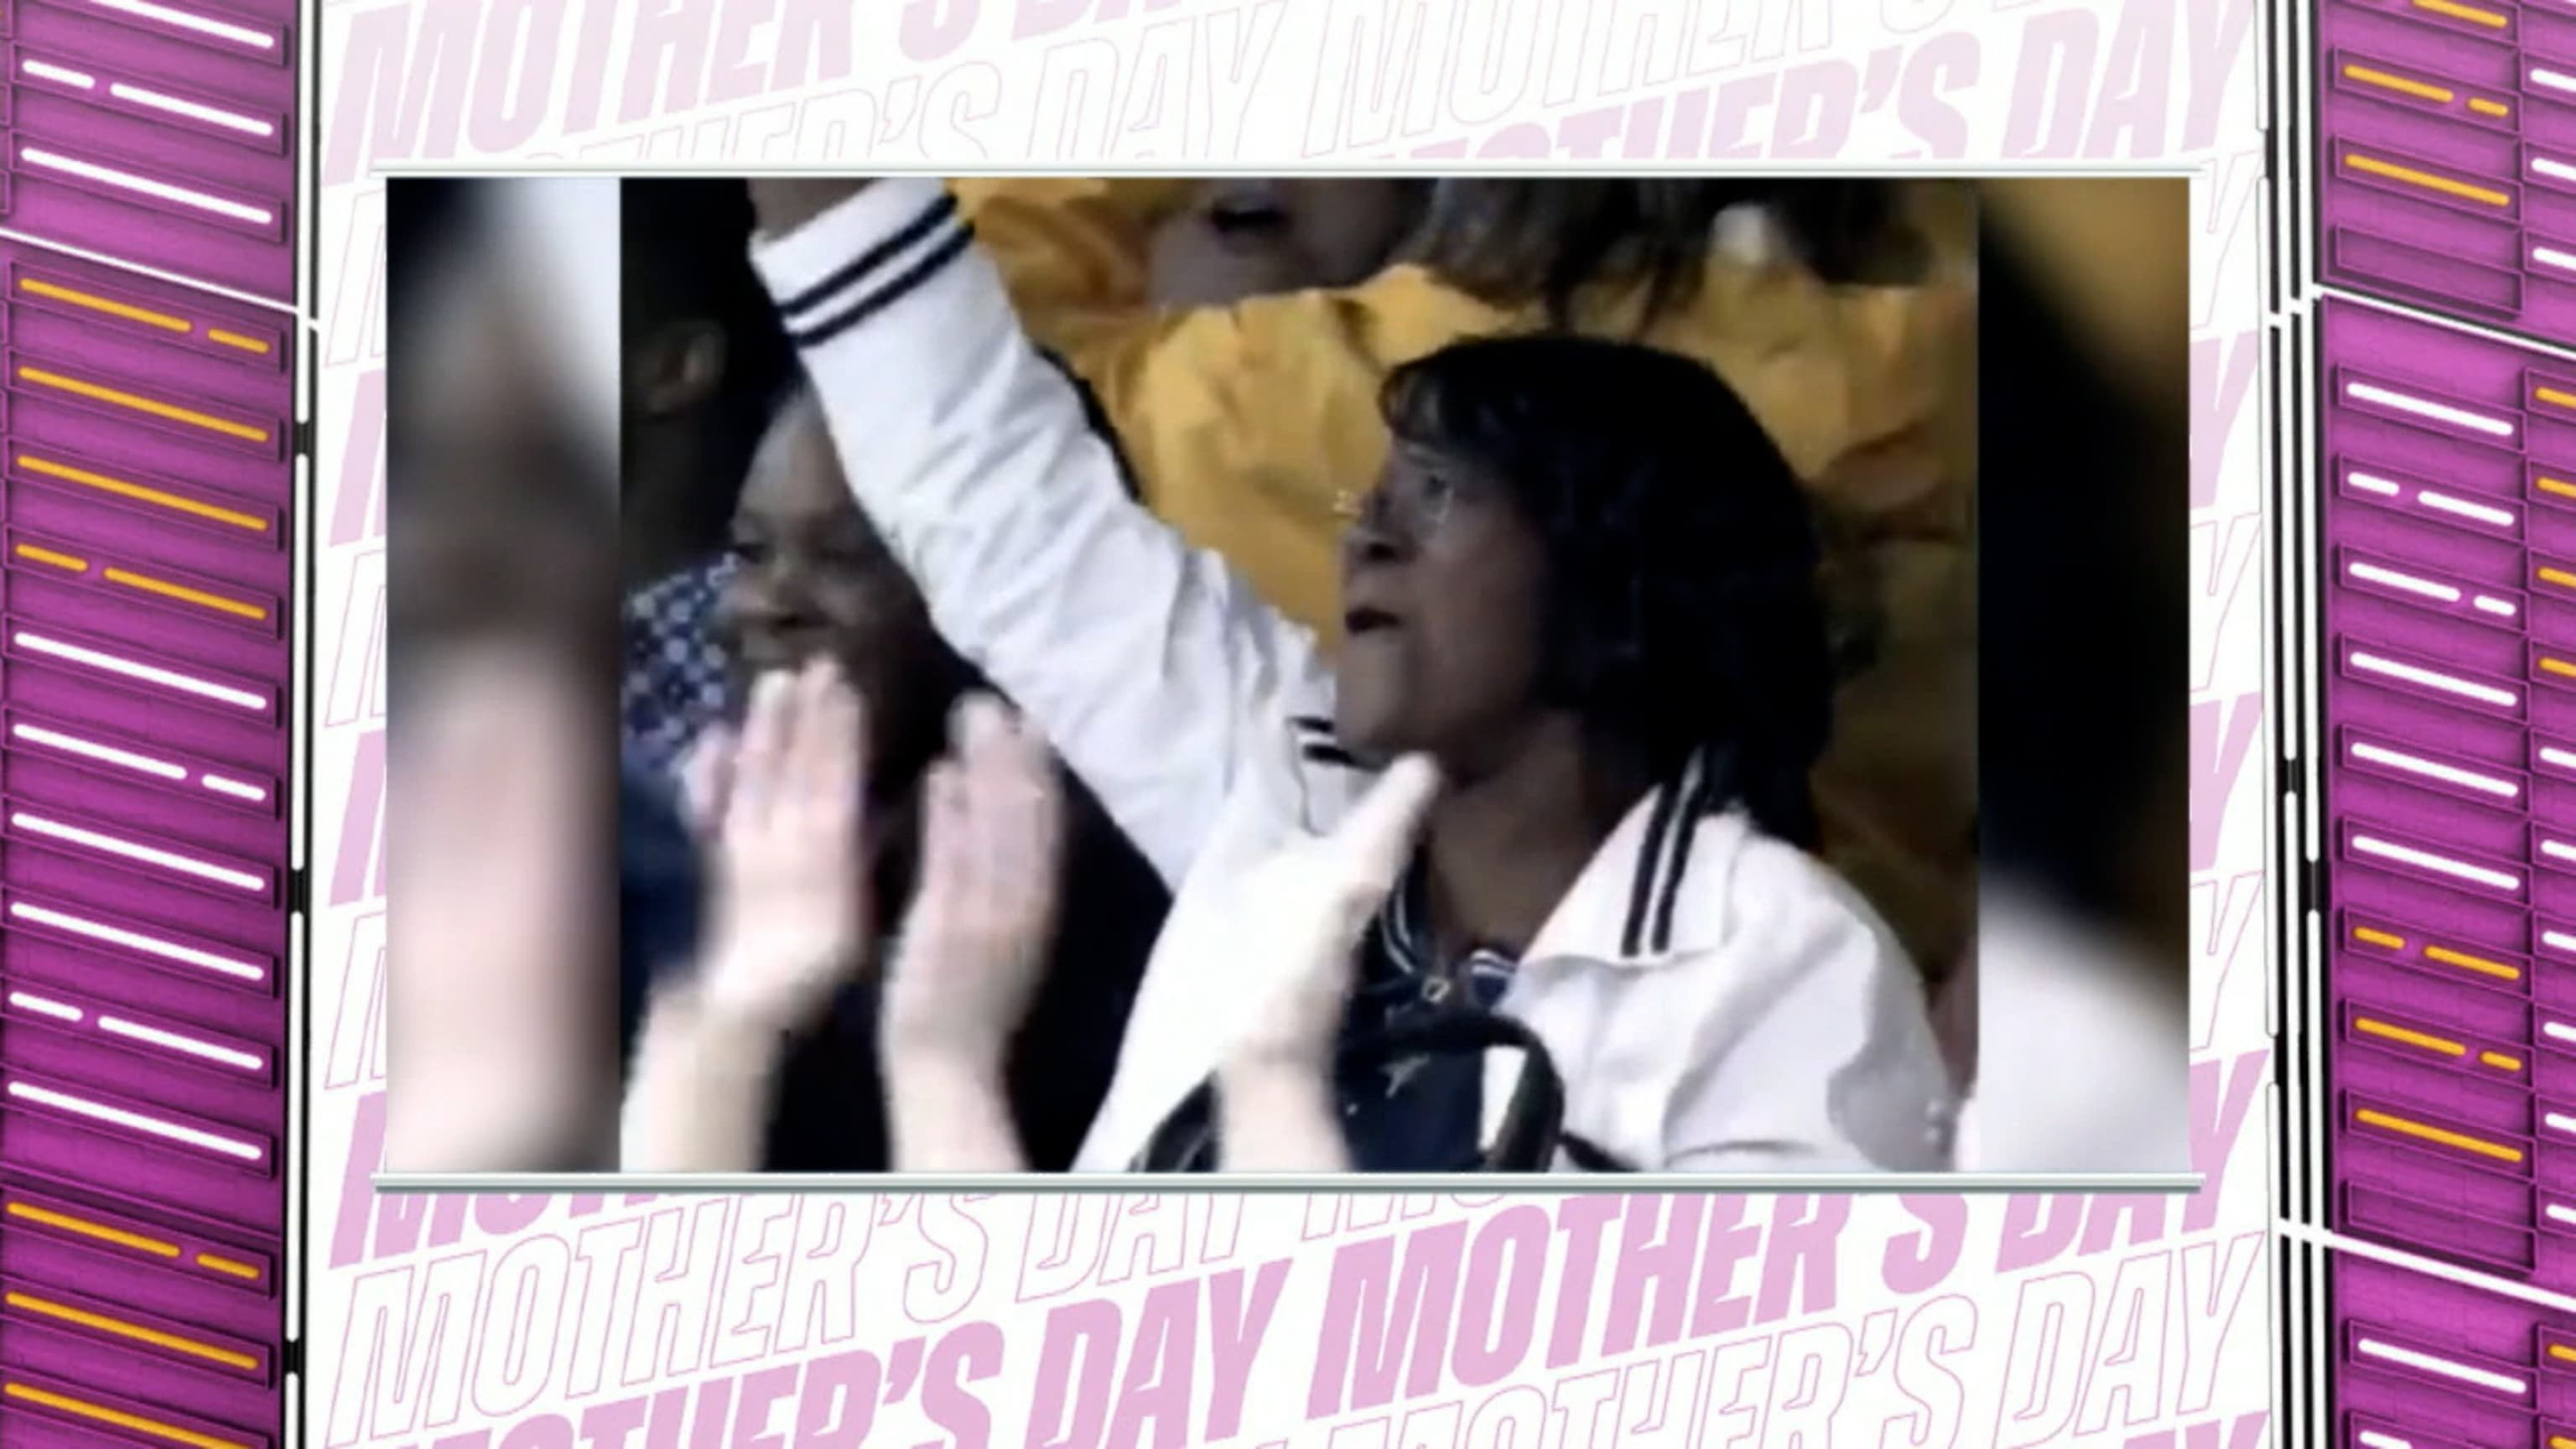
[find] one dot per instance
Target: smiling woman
(807, 579)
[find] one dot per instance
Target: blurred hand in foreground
(1307, 906)
(488, 1009)
(1305, 911)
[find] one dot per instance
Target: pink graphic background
(527, 1322)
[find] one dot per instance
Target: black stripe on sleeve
(1660, 937)
(902, 286)
(850, 274)
(1649, 857)
(1097, 416)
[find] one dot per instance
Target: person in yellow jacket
(1252, 424)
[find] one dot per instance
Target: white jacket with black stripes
(1715, 999)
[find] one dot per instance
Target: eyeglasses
(1408, 504)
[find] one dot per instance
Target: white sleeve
(1154, 670)
(1837, 1069)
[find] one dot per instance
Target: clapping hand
(1308, 905)
(975, 944)
(1306, 909)
(778, 812)
(781, 817)
(983, 914)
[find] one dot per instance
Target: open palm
(977, 939)
(791, 909)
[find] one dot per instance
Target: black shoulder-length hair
(1682, 610)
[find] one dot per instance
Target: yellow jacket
(1246, 425)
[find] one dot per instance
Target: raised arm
(1152, 669)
